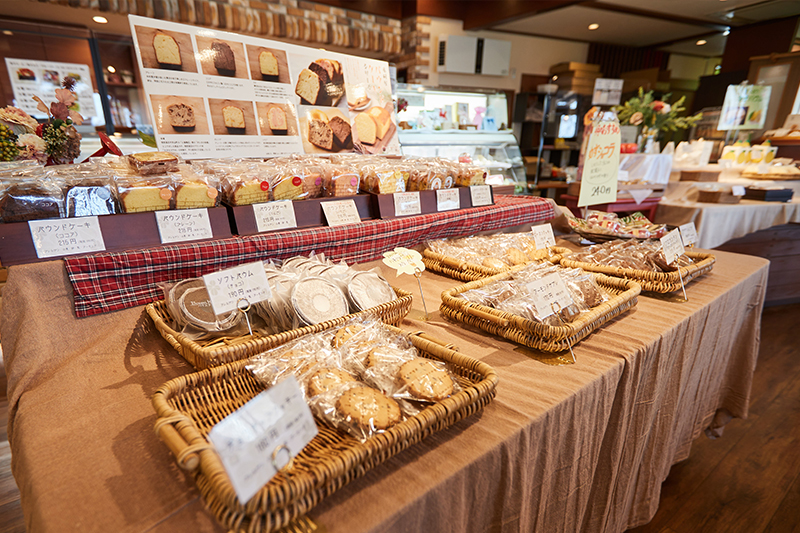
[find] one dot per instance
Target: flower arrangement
(55, 141)
(655, 115)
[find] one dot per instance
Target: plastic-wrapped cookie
(425, 380)
(368, 289)
(381, 355)
(326, 379)
(345, 334)
(516, 256)
(493, 262)
(316, 300)
(368, 408)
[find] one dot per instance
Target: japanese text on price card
(53, 238)
(341, 212)
(272, 216)
(688, 234)
(404, 260)
(481, 195)
(407, 203)
(262, 436)
(601, 164)
(550, 294)
(543, 236)
(672, 245)
(227, 288)
(447, 199)
(183, 225)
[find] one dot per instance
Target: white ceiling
(708, 10)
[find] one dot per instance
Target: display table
(623, 205)
(580, 447)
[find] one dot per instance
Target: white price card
(263, 436)
(543, 236)
(242, 284)
(407, 203)
(447, 199)
(273, 216)
(672, 245)
(481, 195)
(738, 190)
(57, 237)
(688, 233)
(601, 164)
(404, 261)
(550, 294)
(183, 225)
(341, 212)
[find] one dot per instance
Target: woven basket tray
(189, 406)
(211, 353)
(662, 282)
(535, 334)
(457, 269)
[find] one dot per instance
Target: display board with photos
(219, 94)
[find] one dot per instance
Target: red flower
(40, 129)
(657, 105)
(59, 110)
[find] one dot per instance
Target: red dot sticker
(212, 192)
(353, 181)
(296, 181)
(264, 185)
(318, 181)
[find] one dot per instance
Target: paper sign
(57, 237)
(183, 225)
(601, 164)
(273, 216)
(607, 91)
(543, 236)
(260, 438)
(738, 190)
(640, 195)
(745, 107)
(227, 288)
(688, 233)
(447, 199)
(672, 245)
(481, 195)
(31, 78)
(549, 294)
(404, 260)
(341, 212)
(407, 203)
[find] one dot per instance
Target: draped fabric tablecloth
(580, 447)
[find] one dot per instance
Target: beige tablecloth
(580, 447)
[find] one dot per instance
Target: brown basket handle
(173, 342)
(502, 322)
(453, 263)
(434, 340)
(176, 444)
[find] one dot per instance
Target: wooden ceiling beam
(671, 17)
(479, 15)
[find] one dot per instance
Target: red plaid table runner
(112, 281)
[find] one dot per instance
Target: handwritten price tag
(688, 234)
(548, 293)
(262, 436)
(341, 212)
(672, 245)
(227, 288)
(481, 195)
(183, 225)
(273, 216)
(404, 261)
(54, 238)
(601, 165)
(407, 203)
(543, 236)
(738, 190)
(447, 199)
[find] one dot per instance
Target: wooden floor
(748, 481)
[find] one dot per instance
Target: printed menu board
(218, 94)
(745, 107)
(31, 78)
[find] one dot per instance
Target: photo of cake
(322, 83)
(267, 64)
(179, 115)
(373, 129)
(325, 130)
(366, 128)
(221, 57)
(25, 74)
(165, 49)
(277, 119)
(168, 53)
(232, 117)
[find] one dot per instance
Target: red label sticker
(353, 181)
(165, 194)
(296, 181)
(264, 185)
(318, 181)
(212, 192)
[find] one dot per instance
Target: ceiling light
(594, 26)
(554, 78)
(727, 32)
(701, 42)
(100, 20)
(111, 69)
(8, 32)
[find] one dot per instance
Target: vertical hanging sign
(601, 163)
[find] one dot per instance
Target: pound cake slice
(342, 133)
(224, 60)
(366, 128)
(268, 65)
(319, 131)
(181, 117)
(276, 120)
(383, 120)
(234, 119)
(168, 53)
(310, 88)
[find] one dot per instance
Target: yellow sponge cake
(268, 65)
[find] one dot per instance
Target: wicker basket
(215, 352)
(189, 406)
(457, 269)
(662, 282)
(535, 334)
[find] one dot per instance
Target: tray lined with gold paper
(189, 406)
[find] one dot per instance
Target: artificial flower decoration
(62, 140)
(655, 115)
